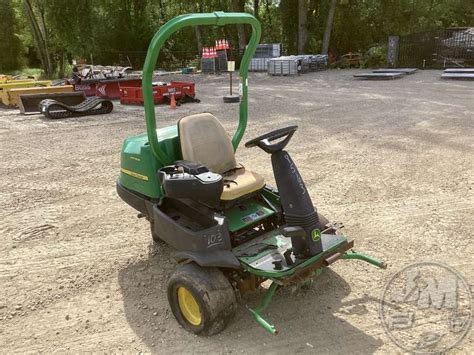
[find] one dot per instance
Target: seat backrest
(205, 141)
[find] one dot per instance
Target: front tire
(201, 299)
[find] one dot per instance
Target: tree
(256, 7)
(36, 17)
(119, 31)
(239, 6)
(328, 29)
(10, 45)
(289, 25)
(302, 25)
(197, 29)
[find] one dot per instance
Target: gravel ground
(393, 160)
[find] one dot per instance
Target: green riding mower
(229, 229)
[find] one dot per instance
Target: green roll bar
(214, 19)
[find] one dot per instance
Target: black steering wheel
(264, 140)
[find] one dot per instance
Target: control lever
(298, 240)
(293, 231)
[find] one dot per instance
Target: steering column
(300, 214)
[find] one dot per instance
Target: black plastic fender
(217, 258)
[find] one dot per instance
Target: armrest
(191, 167)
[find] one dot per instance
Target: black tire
(212, 292)
(231, 98)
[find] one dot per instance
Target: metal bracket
(333, 227)
(352, 254)
(349, 254)
(256, 313)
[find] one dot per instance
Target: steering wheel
(264, 140)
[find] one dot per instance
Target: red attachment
(107, 89)
(132, 94)
(88, 87)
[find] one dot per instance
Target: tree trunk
(197, 31)
(267, 9)
(302, 25)
(44, 31)
(327, 31)
(256, 6)
(239, 6)
(39, 38)
(61, 66)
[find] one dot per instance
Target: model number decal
(214, 239)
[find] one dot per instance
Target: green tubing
(361, 256)
(262, 322)
(266, 301)
(212, 19)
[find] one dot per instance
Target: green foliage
(289, 25)
(10, 43)
(376, 57)
(118, 31)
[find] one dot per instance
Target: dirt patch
(392, 160)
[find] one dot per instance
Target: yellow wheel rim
(188, 306)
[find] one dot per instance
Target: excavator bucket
(29, 103)
(12, 97)
(7, 80)
(27, 83)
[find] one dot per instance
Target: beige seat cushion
(203, 140)
(240, 182)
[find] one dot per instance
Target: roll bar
(213, 19)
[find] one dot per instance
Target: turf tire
(211, 290)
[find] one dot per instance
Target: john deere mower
(230, 231)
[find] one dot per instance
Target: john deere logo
(316, 235)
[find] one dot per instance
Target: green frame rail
(257, 312)
(211, 19)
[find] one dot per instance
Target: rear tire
(201, 299)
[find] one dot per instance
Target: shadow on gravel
(305, 316)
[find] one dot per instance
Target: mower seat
(203, 140)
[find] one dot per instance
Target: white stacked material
(259, 64)
(272, 50)
(284, 66)
(262, 56)
(304, 64)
